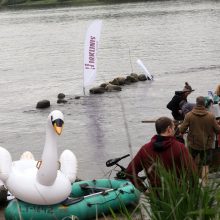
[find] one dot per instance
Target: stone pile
(116, 83)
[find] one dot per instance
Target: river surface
(41, 55)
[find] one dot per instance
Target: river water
(41, 55)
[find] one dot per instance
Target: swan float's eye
(58, 125)
(58, 122)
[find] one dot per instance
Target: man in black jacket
(174, 104)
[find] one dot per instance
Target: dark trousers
(204, 155)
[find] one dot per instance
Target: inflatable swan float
(44, 182)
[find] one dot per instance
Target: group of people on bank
(202, 126)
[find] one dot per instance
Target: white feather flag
(90, 52)
(147, 74)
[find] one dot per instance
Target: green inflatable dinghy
(87, 200)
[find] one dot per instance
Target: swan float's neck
(47, 172)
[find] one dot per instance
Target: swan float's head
(48, 167)
(56, 119)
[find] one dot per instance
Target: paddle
(71, 200)
(154, 120)
(95, 189)
(149, 121)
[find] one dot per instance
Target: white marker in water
(147, 74)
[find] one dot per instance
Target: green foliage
(183, 198)
(126, 213)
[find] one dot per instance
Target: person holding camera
(174, 104)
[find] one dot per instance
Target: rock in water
(142, 77)
(61, 101)
(97, 90)
(43, 104)
(61, 96)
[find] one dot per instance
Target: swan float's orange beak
(58, 126)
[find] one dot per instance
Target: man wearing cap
(174, 104)
(202, 126)
(186, 107)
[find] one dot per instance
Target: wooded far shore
(13, 4)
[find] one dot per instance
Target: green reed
(178, 198)
(183, 198)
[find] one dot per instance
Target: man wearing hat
(174, 104)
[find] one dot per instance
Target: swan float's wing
(27, 155)
(5, 164)
(68, 165)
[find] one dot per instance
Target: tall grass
(183, 198)
(178, 198)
